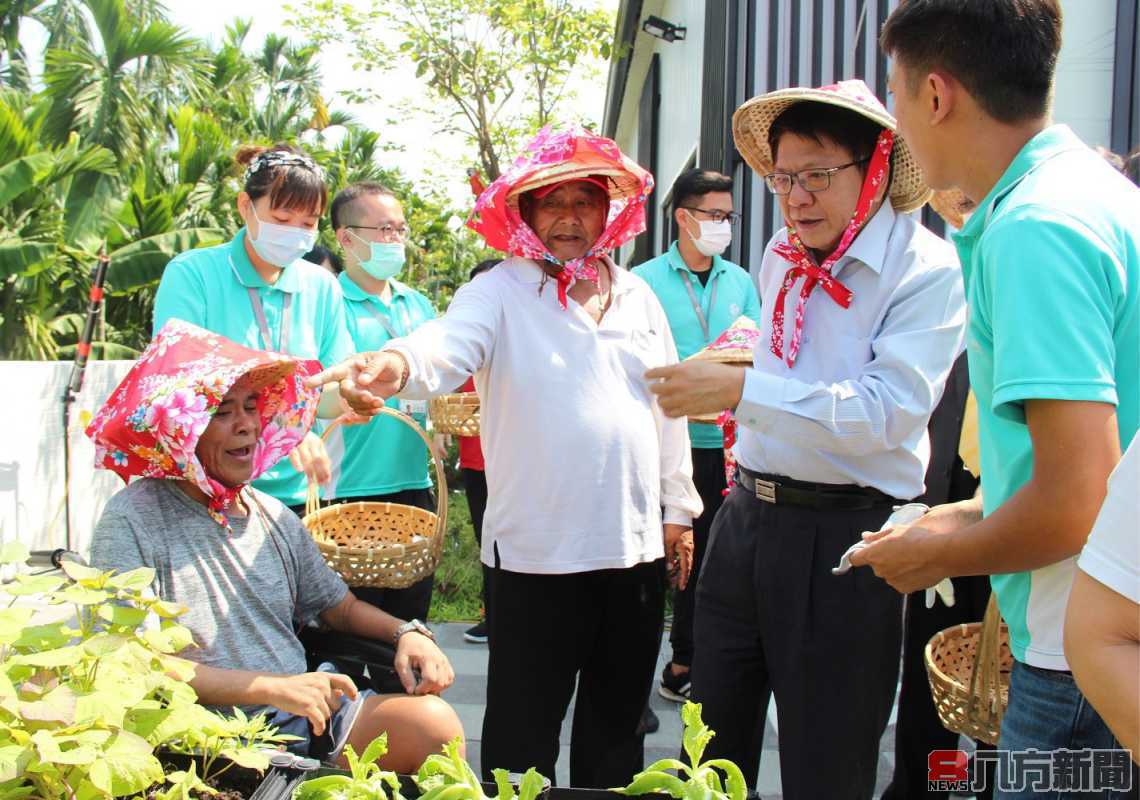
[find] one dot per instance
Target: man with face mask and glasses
(702, 294)
(383, 461)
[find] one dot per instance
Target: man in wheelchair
(197, 418)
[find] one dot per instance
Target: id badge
(414, 406)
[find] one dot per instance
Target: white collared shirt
(580, 459)
(854, 408)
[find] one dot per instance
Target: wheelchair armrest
(330, 645)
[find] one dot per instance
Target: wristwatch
(413, 625)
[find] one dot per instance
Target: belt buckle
(766, 491)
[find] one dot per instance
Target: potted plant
(92, 704)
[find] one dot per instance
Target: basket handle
(985, 675)
(313, 498)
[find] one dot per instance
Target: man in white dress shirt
(832, 433)
(580, 459)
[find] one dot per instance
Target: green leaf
(122, 616)
(246, 757)
(375, 749)
(39, 638)
(59, 657)
(56, 749)
(14, 553)
(138, 579)
(81, 572)
(531, 785)
(127, 765)
(14, 759)
(58, 705)
(141, 263)
(82, 595)
(697, 735)
(12, 623)
(503, 784)
(735, 784)
(654, 783)
(21, 256)
(34, 584)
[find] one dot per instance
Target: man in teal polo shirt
(702, 294)
(385, 460)
(258, 291)
(1051, 262)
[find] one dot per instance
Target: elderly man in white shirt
(589, 483)
(833, 418)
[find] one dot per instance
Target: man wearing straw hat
(580, 459)
(1051, 260)
(832, 434)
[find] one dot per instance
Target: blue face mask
(281, 245)
(386, 259)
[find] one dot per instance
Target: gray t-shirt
(247, 592)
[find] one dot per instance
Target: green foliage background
(126, 145)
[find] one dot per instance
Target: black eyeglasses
(716, 215)
(811, 180)
(387, 232)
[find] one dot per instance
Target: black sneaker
(477, 634)
(649, 722)
(674, 687)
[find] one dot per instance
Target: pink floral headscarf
(556, 157)
(151, 424)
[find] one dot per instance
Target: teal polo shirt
(384, 455)
(1051, 262)
(735, 296)
(207, 287)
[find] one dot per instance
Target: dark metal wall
(1126, 78)
(648, 133)
(757, 46)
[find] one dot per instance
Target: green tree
(501, 67)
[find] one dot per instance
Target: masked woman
(197, 418)
(258, 291)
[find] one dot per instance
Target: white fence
(32, 486)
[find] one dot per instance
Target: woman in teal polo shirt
(702, 294)
(383, 461)
(258, 291)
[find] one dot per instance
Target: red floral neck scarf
(794, 252)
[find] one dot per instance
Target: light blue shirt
(734, 295)
(1052, 267)
(208, 288)
(384, 455)
(855, 407)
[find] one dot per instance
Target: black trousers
(601, 629)
(918, 730)
(708, 475)
(475, 487)
(772, 619)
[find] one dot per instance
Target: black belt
(780, 490)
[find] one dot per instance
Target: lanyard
(697, 304)
(263, 324)
(387, 323)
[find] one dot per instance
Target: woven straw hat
(622, 183)
(751, 122)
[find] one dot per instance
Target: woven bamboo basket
(969, 666)
(386, 545)
(457, 414)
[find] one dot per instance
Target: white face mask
(715, 236)
(281, 245)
